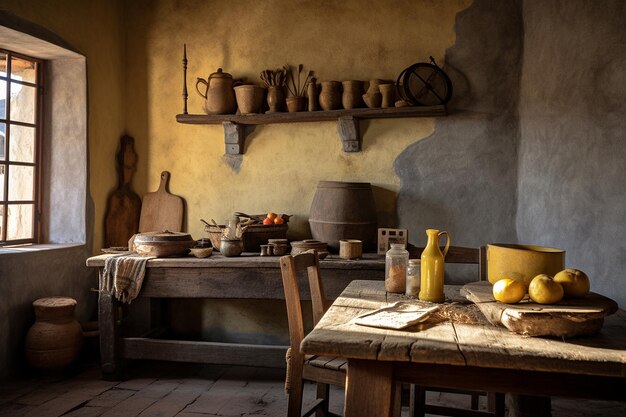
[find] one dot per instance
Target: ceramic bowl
(522, 262)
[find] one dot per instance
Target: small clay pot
(280, 249)
(231, 248)
(372, 97)
(249, 98)
(352, 92)
(388, 92)
(330, 97)
(266, 250)
(350, 248)
(373, 101)
(275, 98)
(295, 104)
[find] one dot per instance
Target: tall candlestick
(185, 95)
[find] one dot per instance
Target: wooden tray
(569, 318)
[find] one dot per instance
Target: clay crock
(55, 339)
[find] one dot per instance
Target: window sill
(37, 248)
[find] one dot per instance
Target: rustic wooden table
(467, 356)
(246, 277)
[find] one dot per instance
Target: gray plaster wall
(572, 165)
(27, 274)
(463, 178)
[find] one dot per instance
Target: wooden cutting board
(161, 210)
(121, 220)
(569, 318)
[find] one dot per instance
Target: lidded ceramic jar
(219, 95)
(56, 338)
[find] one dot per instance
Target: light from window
(20, 114)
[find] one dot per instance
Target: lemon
(575, 282)
(545, 290)
(508, 290)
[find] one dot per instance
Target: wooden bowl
(304, 245)
(162, 244)
(201, 252)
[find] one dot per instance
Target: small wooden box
(389, 236)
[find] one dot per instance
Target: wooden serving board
(160, 210)
(569, 318)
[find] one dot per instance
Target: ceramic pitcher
(432, 267)
(219, 94)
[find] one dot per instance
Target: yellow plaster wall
(95, 28)
(339, 40)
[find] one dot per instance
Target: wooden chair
(495, 401)
(323, 371)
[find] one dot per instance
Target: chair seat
(327, 362)
(325, 370)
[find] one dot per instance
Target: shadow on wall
(463, 178)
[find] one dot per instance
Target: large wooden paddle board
(569, 318)
(123, 205)
(160, 210)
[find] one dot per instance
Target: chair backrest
(460, 255)
(290, 267)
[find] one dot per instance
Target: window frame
(37, 163)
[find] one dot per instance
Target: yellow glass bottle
(432, 263)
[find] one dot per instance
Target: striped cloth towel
(123, 275)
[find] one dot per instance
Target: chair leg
(295, 399)
(417, 401)
(323, 392)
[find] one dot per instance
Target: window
(20, 147)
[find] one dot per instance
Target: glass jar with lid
(396, 263)
(413, 278)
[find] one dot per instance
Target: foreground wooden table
(469, 356)
(245, 277)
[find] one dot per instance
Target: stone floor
(186, 390)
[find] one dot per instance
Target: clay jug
(388, 92)
(275, 98)
(372, 97)
(219, 94)
(432, 268)
(55, 340)
(352, 92)
(330, 96)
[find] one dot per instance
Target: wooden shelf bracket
(234, 138)
(348, 129)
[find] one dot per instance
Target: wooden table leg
(109, 337)
(370, 390)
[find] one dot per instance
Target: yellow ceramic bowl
(522, 262)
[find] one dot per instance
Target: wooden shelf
(347, 122)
